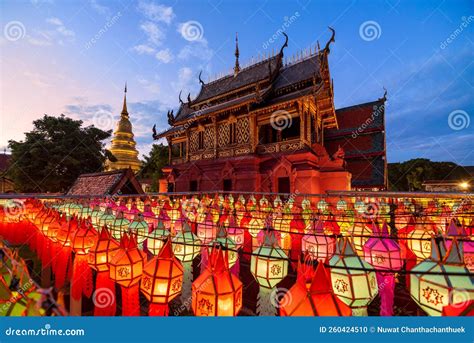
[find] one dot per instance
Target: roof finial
(200, 80)
(237, 54)
(124, 109)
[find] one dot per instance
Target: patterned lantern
(268, 265)
(217, 292)
(317, 244)
(107, 219)
(441, 280)
(139, 228)
(381, 251)
(118, 227)
(418, 240)
(312, 295)
(207, 230)
(353, 279)
(157, 238)
(162, 280)
(360, 234)
(126, 268)
(227, 244)
(99, 256)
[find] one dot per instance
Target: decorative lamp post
(353, 279)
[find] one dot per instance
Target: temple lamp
(268, 265)
(353, 280)
(126, 268)
(99, 256)
(186, 246)
(312, 295)
(162, 280)
(217, 292)
(441, 280)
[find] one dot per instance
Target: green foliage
(153, 164)
(55, 153)
(410, 175)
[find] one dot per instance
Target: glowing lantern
(313, 298)
(107, 219)
(96, 214)
(126, 268)
(418, 240)
(318, 245)
(227, 244)
(156, 238)
(99, 256)
(139, 228)
(381, 251)
(468, 245)
(207, 230)
(118, 227)
(432, 283)
(359, 234)
(162, 280)
(353, 279)
(217, 292)
(268, 265)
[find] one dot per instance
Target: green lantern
(156, 238)
(139, 227)
(118, 225)
(353, 279)
(432, 283)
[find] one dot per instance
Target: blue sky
(73, 57)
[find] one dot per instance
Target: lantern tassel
(386, 282)
(161, 310)
(130, 301)
(81, 282)
(104, 295)
(186, 292)
(62, 265)
(265, 306)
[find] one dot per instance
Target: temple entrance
(284, 185)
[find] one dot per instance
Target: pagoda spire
(124, 109)
(237, 54)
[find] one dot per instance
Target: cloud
(143, 49)
(101, 9)
(54, 21)
(155, 12)
(164, 56)
(199, 50)
(154, 34)
(61, 29)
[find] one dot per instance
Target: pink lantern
(381, 251)
(317, 244)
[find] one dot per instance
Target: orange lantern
(126, 268)
(162, 280)
(313, 298)
(217, 292)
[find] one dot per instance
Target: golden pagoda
(123, 144)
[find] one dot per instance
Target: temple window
(193, 186)
(200, 140)
(233, 133)
(227, 185)
(268, 134)
(178, 149)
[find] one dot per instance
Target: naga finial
(200, 80)
(154, 132)
(189, 98)
(179, 97)
(332, 39)
(171, 117)
(285, 44)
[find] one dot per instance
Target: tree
(410, 175)
(55, 153)
(153, 164)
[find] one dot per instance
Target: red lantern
(217, 292)
(162, 280)
(313, 298)
(126, 268)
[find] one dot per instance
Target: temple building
(123, 144)
(272, 127)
